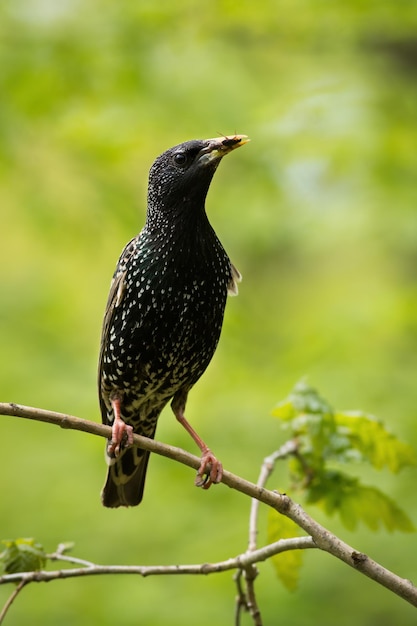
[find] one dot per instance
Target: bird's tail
(125, 478)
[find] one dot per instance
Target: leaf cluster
(22, 555)
(326, 441)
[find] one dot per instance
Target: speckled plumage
(165, 308)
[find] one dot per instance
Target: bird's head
(180, 177)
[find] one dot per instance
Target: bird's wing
(235, 278)
(117, 288)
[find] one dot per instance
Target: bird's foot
(210, 471)
(122, 436)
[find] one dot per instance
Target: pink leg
(122, 433)
(210, 470)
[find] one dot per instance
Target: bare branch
(91, 569)
(11, 599)
(320, 536)
(101, 430)
(57, 556)
(250, 573)
(241, 601)
(267, 468)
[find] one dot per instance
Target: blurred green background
(319, 214)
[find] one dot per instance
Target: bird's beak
(218, 147)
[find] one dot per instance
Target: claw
(210, 471)
(122, 436)
(122, 433)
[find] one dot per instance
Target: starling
(164, 315)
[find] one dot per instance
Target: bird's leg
(210, 470)
(122, 433)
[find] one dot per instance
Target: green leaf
(302, 399)
(22, 555)
(336, 492)
(376, 445)
(329, 489)
(287, 564)
(323, 438)
(284, 410)
(376, 509)
(310, 419)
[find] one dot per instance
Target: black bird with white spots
(164, 315)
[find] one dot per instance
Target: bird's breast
(166, 326)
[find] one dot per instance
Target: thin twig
(241, 601)
(10, 599)
(251, 572)
(268, 464)
(57, 556)
(322, 538)
(91, 569)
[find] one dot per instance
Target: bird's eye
(180, 158)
